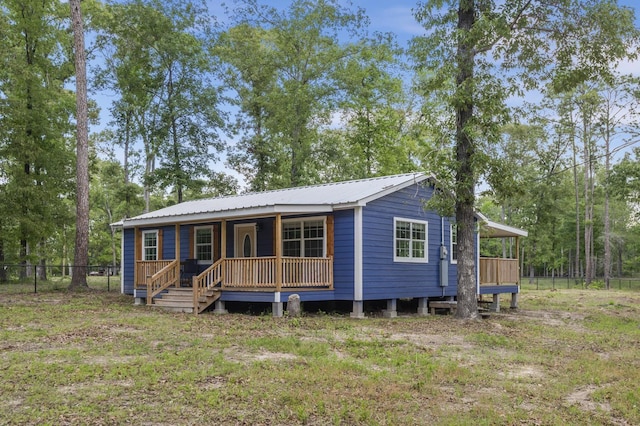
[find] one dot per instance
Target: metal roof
(304, 199)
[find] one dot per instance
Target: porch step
(181, 300)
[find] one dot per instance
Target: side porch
(499, 275)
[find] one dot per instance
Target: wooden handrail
(161, 280)
(209, 278)
(146, 268)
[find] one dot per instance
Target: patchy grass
(568, 356)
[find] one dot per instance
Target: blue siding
(128, 260)
(185, 232)
(382, 277)
(264, 237)
(168, 242)
(343, 260)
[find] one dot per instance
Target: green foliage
(157, 62)
(37, 159)
(292, 71)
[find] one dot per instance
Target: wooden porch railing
(495, 270)
(145, 269)
(307, 272)
(239, 274)
(161, 280)
(260, 273)
(251, 273)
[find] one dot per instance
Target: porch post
(223, 249)
(223, 239)
(518, 258)
(278, 252)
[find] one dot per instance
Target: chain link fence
(548, 283)
(21, 278)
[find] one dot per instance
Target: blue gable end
(384, 278)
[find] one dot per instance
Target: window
(150, 245)
(454, 243)
(410, 240)
(204, 244)
(303, 238)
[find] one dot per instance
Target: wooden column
(223, 250)
(518, 258)
(278, 227)
(223, 239)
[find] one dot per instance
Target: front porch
(257, 274)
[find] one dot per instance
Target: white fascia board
(117, 225)
(228, 215)
(199, 217)
(303, 208)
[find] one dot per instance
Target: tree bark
(465, 174)
(81, 258)
(576, 268)
(588, 204)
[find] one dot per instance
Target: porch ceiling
(490, 229)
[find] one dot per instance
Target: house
(356, 241)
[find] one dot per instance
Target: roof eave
(490, 229)
(227, 214)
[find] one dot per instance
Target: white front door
(245, 240)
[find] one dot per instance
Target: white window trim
(156, 233)
(195, 244)
(411, 259)
(301, 221)
(451, 229)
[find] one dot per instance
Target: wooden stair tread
(181, 299)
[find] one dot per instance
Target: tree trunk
(81, 258)
(576, 268)
(3, 271)
(588, 219)
(607, 219)
(465, 170)
(41, 270)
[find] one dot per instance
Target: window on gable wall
(410, 240)
(454, 243)
(303, 238)
(150, 245)
(203, 249)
